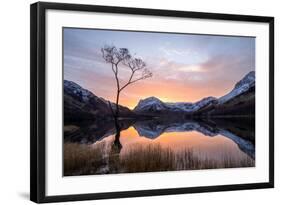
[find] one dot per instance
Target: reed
(141, 158)
(85, 160)
(82, 159)
(149, 158)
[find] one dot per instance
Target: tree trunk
(117, 126)
(116, 144)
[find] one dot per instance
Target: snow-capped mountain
(241, 87)
(80, 103)
(203, 103)
(153, 104)
(77, 91)
(150, 104)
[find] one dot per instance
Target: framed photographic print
(129, 102)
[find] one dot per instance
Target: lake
(158, 145)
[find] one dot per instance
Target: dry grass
(188, 160)
(156, 158)
(82, 159)
(148, 158)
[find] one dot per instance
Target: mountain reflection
(215, 139)
(153, 129)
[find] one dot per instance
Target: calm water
(160, 145)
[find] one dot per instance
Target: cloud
(191, 68)
(164, 69)
(183, 53)
(172, 51)
(175, 66)
(184, 67)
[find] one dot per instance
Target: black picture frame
(38, 101)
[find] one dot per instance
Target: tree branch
(128, 83)
(113, 55)
(141, 78)
(131, 82)
(112, 68)
(116, 77)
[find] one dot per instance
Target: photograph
(143, 101)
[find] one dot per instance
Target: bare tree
(116, 57)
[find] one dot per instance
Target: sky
(185, 67)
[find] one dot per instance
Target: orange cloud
(171, 82)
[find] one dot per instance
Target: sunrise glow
(185, 67)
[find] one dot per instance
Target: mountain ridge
(80, 103)
(153, 104)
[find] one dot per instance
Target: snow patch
(242, 86)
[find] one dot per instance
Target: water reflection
(162, 144)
